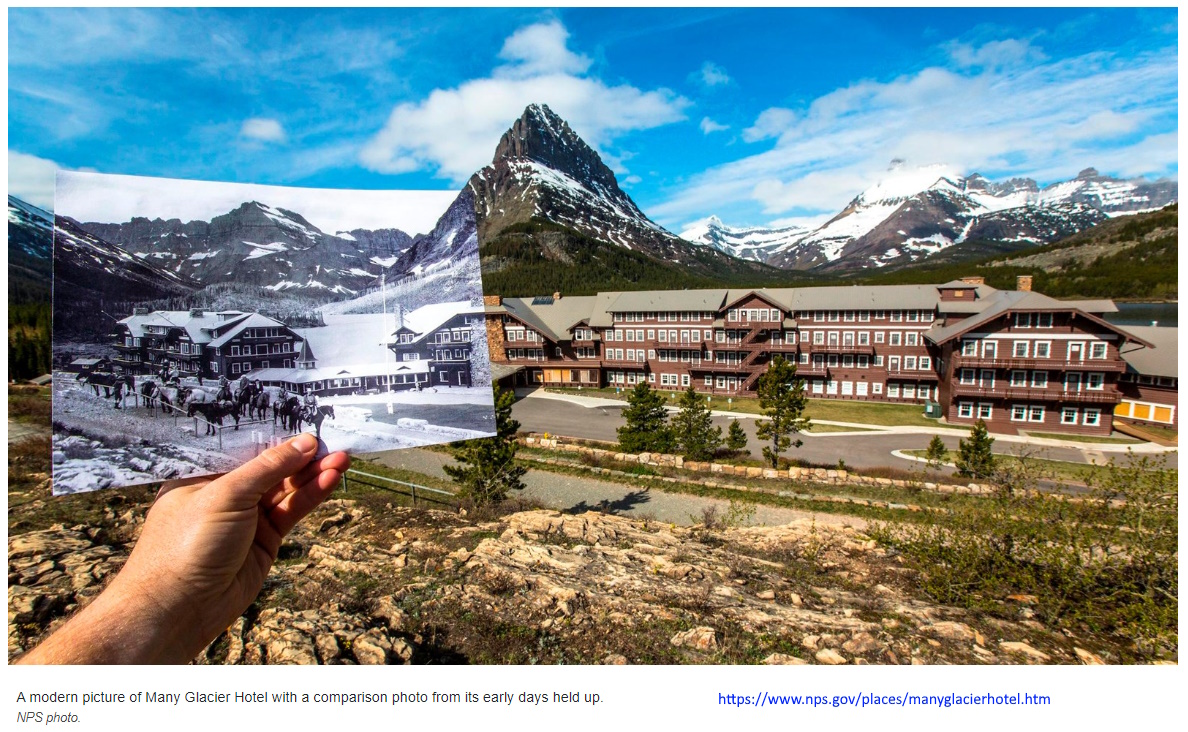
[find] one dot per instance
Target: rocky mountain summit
(358, 585)
(916, 212)
(547, 197)
(257, 245)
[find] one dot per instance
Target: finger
(246, 485)
(297, 505)
(292, 483)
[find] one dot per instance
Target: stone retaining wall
(810, 475)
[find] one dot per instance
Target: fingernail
(305, 442)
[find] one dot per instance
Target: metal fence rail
(392, 482)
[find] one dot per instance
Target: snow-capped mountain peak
(755, 243)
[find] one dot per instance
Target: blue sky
(758, 116)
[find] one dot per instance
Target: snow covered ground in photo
(97, 446)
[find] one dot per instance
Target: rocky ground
(364, 581)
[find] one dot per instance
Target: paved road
(863, 450)
(572, 493)
(18, 431)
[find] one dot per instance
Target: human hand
(201, 559)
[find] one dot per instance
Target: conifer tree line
(691, 432)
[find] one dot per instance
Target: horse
(244, 398)
(125, 383)
(96, 379)
(213, 413)
(224, 394)
(148, 390)
(259, 406)
(317, 416)
(290, 414)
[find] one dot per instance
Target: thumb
(244, 486)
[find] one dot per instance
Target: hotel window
(969, 348)
(804, 358)
(684, 379)
(913, 316)
(235, 368)
(732, 315)
(834, 316)
(864, 316)
(912, 339)
(818, 316)
(896, 316)
(863, 362)
(1043, 320)
(848, 361)
(1021, 349)
(925, 363)
(909, 391)
(651, 334)
(1022, 320)
(925, 392)
(896, 339)
(818, 337)
(1095, 380)
(1092, 418)
(833, 359)
(1043, 349)
(234, 350)
(1039, 379)
(876, 388)
(909, 363)
(1019, 413)
(880, 315)
(880, 336)
(1035, 413)
(864, 338)
(775, 315)
(1018, 378)
(1068, 415)
(985, 411)
(1097, 350)
(664, 336)
(926, 316)
(848, 317)
(878, 360)
(893, 391)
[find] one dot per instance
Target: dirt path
(576, 493)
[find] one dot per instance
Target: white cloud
(770, 123)
(708, 126)
(632, 180)
(1046, 120)
(31, 179)
(453, 132)
(712, 74)
(995, 54)
(117, 198)
(263, 130)
(540, 49)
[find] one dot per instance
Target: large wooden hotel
(1018, 359)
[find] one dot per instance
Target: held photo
(197, 323)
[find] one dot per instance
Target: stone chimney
(974, 280)
(495, 300)
(140, 311)
(1023, 283)
(398, 314)
(196, 312)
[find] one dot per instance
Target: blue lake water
(1143, 313)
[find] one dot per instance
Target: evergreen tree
(974, 458)
(736, 437)
(935, 454)
(783, 401)
(646, 428)
(488, 467)
(693, 428)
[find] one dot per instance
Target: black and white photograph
(198, 323)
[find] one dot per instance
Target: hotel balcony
(1037, 394)
(1042, 364)
(867, 350)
